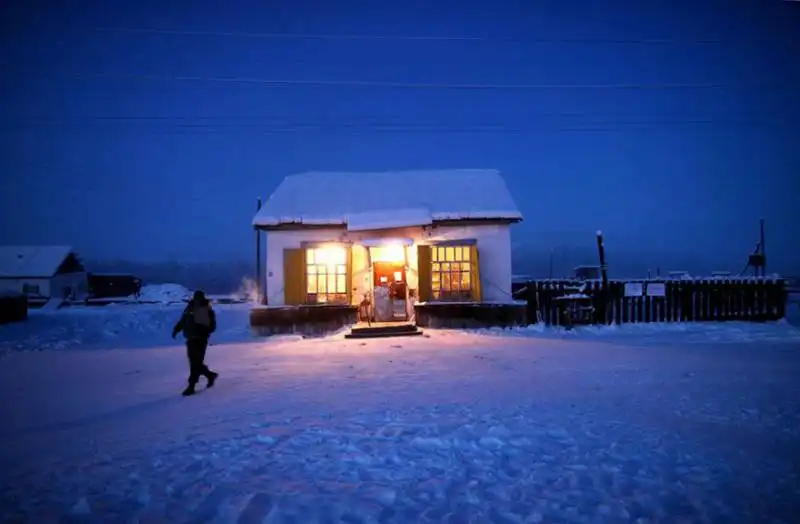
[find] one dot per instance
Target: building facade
(412, 250)
(42, 272)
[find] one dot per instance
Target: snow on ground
(453, 427)
(117, 326)
(164, 293)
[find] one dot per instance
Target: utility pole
(763, 251)
(601, 251)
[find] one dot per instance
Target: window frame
(31, 289)
(445, 254)
(313, 271)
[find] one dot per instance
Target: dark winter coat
(198, 320)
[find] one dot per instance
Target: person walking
(197, 323)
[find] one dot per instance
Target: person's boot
(212, 377)
(188, 391)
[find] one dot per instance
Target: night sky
(146, 130)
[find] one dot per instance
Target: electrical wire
(351, 128)
(401, 37)
(434, 85)
(435, 38)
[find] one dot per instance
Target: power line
(429, 85)
(364, 118)
(430, 38)
(421, 128)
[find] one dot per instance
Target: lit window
(451, 275)
(326, 275)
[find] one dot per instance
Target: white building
(42, 271)
(392, 239)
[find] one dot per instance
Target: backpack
(202, 316)
(197, 321)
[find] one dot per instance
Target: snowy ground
(697, 423)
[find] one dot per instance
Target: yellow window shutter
(349, 272)
(424, 272)
(294, 276)
(475, 270)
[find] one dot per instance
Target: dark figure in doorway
(197, 322)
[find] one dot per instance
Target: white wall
(494, 252)
(17, 285)
(77, 282)
(362, 276)
(277, 241)
(493, 241)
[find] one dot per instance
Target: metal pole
(601, 251)
(259, 294)
(763, 252)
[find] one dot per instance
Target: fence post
(783, 296)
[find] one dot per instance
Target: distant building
(113, 285)
(587, 272)
(392, 238)
(42, 271)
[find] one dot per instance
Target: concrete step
(384, 330)
(383, 335)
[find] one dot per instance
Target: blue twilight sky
(135, 144)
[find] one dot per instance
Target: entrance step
(381, 330)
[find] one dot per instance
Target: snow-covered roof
(391, 199)
(31, 261)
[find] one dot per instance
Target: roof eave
(298, 226)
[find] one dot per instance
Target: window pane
(322, 285)
(436, 267)
(445, 267)
(331, 283)
(450, 254)
(310, 256)
(311, 270)
(341, 285)
(465, 266)
(435, 254)
(465, 281)
(465, 252)
(341, 269)
(339, 255)
(455, 280)
(312, 283)
(446, 284)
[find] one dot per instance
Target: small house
(403, 246)
(42, 272)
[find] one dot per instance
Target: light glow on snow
(639, 423)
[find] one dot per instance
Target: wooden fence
(561, 302)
